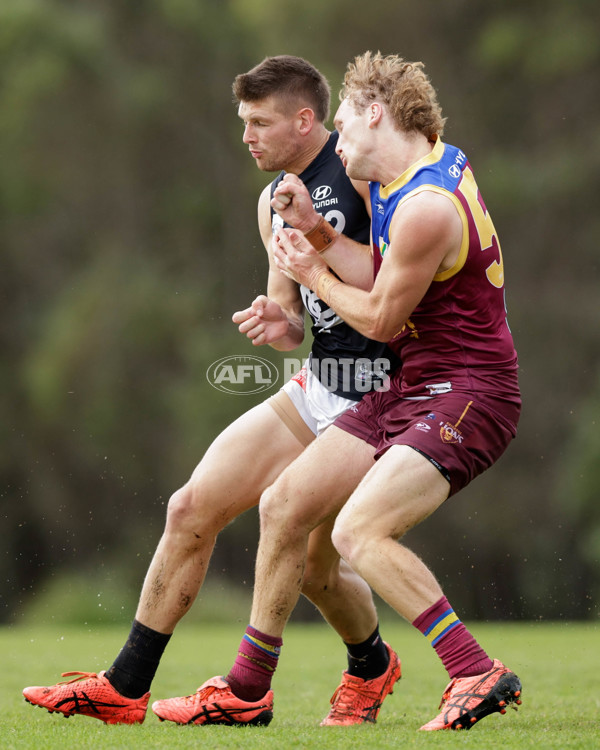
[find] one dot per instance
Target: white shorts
(317, 407)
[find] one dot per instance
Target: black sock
(134, 668)
(368, 659)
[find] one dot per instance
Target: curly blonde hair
(402, 86)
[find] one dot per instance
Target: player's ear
(306, 119)
(374, 114)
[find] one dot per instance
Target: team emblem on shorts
(449, 433)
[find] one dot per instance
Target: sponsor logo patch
(321, 193)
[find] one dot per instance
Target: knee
(272, 511)
(280, 515)
(181, 510)
(188, 510)
(350, 540)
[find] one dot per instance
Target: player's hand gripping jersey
(336, 199)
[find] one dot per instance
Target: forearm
(293, 338)
(357, 307)
(350, 260)
(285, 309)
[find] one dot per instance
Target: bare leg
(290, 510)
(220, 489)
(340, 594)
(399, 492)
(235, 470)
(402, 490)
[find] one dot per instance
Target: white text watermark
(248, 374)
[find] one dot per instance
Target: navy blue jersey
(334, 340)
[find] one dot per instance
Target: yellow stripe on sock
(441, 626)
(265, 646)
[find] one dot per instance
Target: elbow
(286, 345)
(376, 334)
(380, 328)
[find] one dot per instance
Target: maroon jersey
(457, 339)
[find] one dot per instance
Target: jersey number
(484, 226)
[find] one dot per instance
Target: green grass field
(557, 663)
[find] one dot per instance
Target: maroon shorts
(458, 433)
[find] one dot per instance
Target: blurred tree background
(128, 237)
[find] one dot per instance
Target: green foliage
(106, 596)
(128, 237)
(577, 491)
(542, 46)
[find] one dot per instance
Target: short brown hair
(402, 86)
(291, 79)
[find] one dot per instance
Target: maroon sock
(252, 672)
(460, 653)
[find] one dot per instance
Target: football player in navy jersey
(284, 104)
